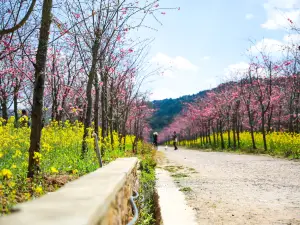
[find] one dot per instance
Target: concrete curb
(173, 207)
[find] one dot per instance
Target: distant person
(175, 140)
(24, 120)
(155, 139)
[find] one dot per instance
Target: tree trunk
(228, 136)
(111, 126)
(136, 132)
(297, 127)
(252, 137)
(16, 89)
(96, 106)
(54, 113)
(201, 141)
(111, 116)
(263, 130)
(279, 119)
(104, 125)
(291, 114)
(205, 136)
(209, 139)
(238, 132)
(221, 135)
(250, 117)
(38, 92)
(124, 132)
(270, 120)
(214, 137)
(217, 144)
(4, 110)
(54, 93)
(228, 131)
(234, 131)
(89, 107)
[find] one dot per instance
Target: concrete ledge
(101, 197)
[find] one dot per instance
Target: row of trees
(264, 98)
(75, 60)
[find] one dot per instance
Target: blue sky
(205, 40)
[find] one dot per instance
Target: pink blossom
(119, 38)
(77, 15)
(287, 63)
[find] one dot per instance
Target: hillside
(167, 109)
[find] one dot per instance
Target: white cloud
(206, 57)
(267, 45)
(249, 16)
(178, 62)
(168, 73)
(235, 71)
(279, 12)
(163, 93)
(292, 38)
(283, 4)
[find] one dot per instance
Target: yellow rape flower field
(278, 143)
(60, 160)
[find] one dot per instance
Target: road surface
(231, 188)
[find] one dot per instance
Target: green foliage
(167, 109)
(147, 189)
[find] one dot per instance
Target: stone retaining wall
(99, 198)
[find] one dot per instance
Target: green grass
(147, 190)
(179, 175)
(185, 189)
(173, 169)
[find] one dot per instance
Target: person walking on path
(175, 140)
(155, 139)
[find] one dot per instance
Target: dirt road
(225, 188)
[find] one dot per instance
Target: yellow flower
(11, 184)
(6, 173)
(38, 190)
(54, 170)
(27, 196)
(37, 156)
(1, 154)
(17, 154)
(13, 166)
(75, 171)
(46, 146)
(25, 164)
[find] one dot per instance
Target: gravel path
(238, 189)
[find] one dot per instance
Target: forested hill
(167, 109)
